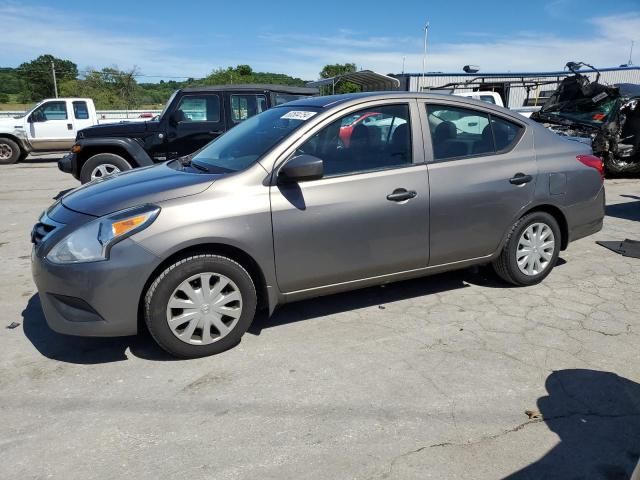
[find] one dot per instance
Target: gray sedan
(302, 201)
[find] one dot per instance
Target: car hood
(152, 184)
(119, 129)
(10, 124)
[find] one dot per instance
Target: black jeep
(192, 118)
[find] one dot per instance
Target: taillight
(593, 162)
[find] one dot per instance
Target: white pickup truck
(49, 126)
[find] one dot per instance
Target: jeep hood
(119, 129)
(152, 184)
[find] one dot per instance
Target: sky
(166, 39)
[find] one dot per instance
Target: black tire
(160, 291)
(9, 151)
(102, 159)
(506, 265)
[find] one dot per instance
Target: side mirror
(175, 118)
(300, 168)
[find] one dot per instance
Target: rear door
(51, 126)
(368, 215)
(198, 119)
(482, 174)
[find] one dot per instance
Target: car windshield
(584, 110)
(245, 143)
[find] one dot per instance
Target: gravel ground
(421, 379)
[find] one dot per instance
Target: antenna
(630, 62)
(424, 55)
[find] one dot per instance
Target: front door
(197, 120)
(368, 215)
(482, 175)
(51, 127)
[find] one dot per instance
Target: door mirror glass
(300, 168)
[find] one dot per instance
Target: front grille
(43, 229)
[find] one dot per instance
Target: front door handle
(215, 132)
(401, 194)
(520, 179)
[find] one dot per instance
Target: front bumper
(97, 299)
(67, 164)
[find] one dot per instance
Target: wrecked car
(605, 117)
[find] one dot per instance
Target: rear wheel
(9, 151)
(200, 305)
(103, 165)
(531, 251)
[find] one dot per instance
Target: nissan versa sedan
(281, 209)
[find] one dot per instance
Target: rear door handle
(215, 132)
(401, 194)
(520, 179)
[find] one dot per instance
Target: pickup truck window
(199, 108)
(51, 111)
(245, 106)
(80, 110)
(244, 144)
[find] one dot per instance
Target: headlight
(92, 241)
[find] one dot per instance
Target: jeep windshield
(582, 110)
(244, 144)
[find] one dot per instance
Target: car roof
(254, 86)
(330, 101)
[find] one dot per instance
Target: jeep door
(369, 214)
(482, 174)
(197, 119)
(50, 126)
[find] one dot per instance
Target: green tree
(4, 98)
(340, 69)
(37, 77)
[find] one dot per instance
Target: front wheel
(531, 251)
(103, 165)
(200, 306)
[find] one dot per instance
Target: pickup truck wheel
(102, 165)
(199, 306)
(9, 151)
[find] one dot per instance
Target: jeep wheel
(102, 165)
(9, 151)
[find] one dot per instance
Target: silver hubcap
(5, 151)
(103, 170)
(204, 308)
(535, 249)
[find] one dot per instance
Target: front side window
(51, 111)
(80, 110)
(198, 108)
(244, 144)
(367, 140)
(245, 106)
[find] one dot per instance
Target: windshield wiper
(197, 166)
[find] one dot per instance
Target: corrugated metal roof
(367, 79)
(515, 74)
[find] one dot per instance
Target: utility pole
(424, 55)
(55, 84)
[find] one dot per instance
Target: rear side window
(505, 133)
(488, 99)
(245, 106)
(461, 132)
(199, 108)
(80, 110)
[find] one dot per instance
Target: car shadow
(379, 295)
(626, 211)
(596, 415)
(85, 350)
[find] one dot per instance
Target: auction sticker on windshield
(298, 115)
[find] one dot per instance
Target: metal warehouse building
(523, 89)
